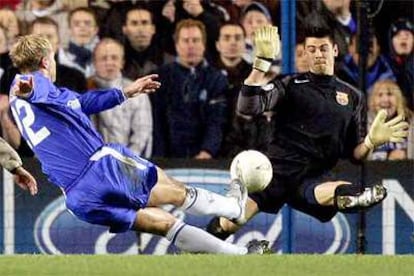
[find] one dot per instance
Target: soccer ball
(253, 169)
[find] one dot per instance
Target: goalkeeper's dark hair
(317, 26)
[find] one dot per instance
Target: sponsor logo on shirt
(74, 104)
(300, 81)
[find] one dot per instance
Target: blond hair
(391, 86)
(27, 53)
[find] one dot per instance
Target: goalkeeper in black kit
(319, 119)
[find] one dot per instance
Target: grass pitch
(211, 265)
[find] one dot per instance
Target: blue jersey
(54, 122)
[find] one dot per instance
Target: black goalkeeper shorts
(283, 190)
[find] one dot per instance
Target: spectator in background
(301, 62)
(3, 49)
(10, 23)
(175, 11)
(111, 15)
(401, 57)
(235, 8)
(9, 4)
(241, 132)
(340, 17)
(254, 16)
(3, 42)
(83, 39)
(129, 124)
(27, 11)
(377, 65)
(65, 75)
(143, 54)
(231, 47)
(387, 95)
(189, 110)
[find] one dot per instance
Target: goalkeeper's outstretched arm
(381, 132)
(255, 97)
(267, 47)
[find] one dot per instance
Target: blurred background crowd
(202, 51)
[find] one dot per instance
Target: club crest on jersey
(342, 98)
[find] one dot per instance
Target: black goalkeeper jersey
(319, 119)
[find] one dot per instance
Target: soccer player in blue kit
(107, 184)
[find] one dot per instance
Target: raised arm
(22, 86)
(258, 92)
(255, 99)
(146, 84)
(94, 102)
(381, 132)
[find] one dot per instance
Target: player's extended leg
(345, 196)
(222, 228)
(186, 237)
(198, 201)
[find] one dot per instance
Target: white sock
(192, 239)
(201, 202)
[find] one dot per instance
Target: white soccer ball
(253, 169)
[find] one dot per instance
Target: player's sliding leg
(222, 228)
(198, 201)
(189, 238)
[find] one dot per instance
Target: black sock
(214, 228)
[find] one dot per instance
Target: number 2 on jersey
(26, 123)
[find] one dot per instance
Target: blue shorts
(111, 189)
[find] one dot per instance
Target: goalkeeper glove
(267, 47)
(382, 132)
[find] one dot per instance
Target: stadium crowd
(202, 51)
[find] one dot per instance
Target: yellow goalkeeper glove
(267, 47)
(382, 132)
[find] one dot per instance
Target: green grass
(214, 265)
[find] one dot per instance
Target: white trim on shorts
(104, 151)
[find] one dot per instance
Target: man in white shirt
(130, 123)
